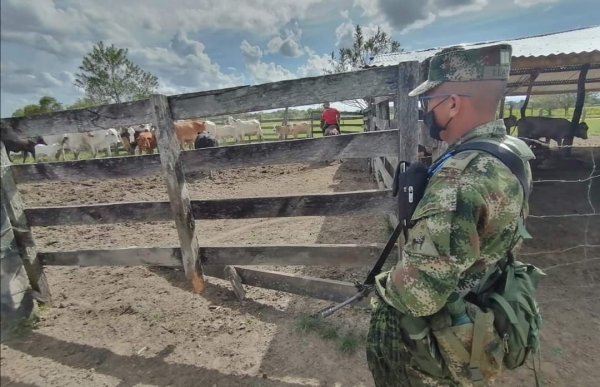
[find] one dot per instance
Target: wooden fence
(196, 259)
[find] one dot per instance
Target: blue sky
(194, 45)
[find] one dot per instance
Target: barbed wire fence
(589, 245)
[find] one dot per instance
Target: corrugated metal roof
(566, 42)
(561, 54)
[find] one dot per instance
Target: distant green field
(591, 112)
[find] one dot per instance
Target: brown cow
(187, 131)
(146, 141)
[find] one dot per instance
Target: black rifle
(403, 187)
(365, 288)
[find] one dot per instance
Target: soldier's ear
(455, 105)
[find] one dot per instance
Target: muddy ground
(144, 327)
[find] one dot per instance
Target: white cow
(49, 151)
(95, 140)
(247, 128)
(222, 132)
(61, 139)
(301, 128)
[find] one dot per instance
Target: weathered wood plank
(104, 168)
(80, 120)
(385, 175)
(408, 113)
(11, 198)
(327, 255)
(236, 282)
(296, 92)
(130, 256)
(16, 299)
(407, 116)
(328, 204)
(179, 198)
(347, 146)
(322, 289)
(381, 124)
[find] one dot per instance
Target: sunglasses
(424, 100)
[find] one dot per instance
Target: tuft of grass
(306, 323)
(21, 327)
(329, 333)
(348, 344)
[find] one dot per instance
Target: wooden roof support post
(16, 299)
(172, 167)
(408, 116)
(532, 77)
(578, 108)
(11, 199)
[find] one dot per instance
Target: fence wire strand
(586, 246)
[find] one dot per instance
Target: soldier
(470, 216)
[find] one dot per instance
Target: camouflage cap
(457, 64)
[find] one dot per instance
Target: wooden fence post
(170, 158)
(408, 116)
(16, 299)
(11, 199)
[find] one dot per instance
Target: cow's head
(39, 140)
(582, 130)
(113, 135)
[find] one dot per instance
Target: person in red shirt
(329, 117)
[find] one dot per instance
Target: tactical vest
(502, 307)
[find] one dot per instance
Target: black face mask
(434, 128)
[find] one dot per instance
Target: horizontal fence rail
(322, 289)
(330, 204)
(348, 146)
(297, 92)
(330, 255)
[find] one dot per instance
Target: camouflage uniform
(470, 216)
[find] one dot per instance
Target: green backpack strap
(477, 350)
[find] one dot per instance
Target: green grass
(346, 344)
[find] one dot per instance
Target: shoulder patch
(460, 161)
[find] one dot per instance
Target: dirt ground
(142, 327)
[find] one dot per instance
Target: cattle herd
(196, 134)
(191, 134)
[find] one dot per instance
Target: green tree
(359, 54)
(108, 76)
(81, 103)
(46, 104)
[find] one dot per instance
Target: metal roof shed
(554, 61)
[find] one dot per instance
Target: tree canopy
(108, 76)
(357, 56)
(46, 104)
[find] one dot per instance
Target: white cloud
(263, 72)
(412, 14)
(344, 34)
(345, 14)
(315, 65)
(289, 44)
(250, 54)
(529, 3)
(184, 64)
